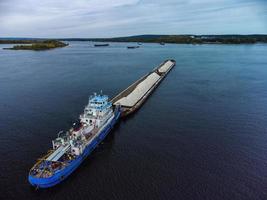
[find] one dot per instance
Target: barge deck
(135, 95)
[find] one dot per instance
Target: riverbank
(182, 39)
(161, 39)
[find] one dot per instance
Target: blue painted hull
(59, 176)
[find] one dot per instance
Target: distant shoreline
(172, 39)
(189, 39)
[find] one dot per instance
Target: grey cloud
(108, 18)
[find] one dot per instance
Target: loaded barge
(135, 95)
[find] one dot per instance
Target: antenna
(59, 133)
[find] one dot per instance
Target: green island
(36, 45)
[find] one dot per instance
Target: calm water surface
(201, 135)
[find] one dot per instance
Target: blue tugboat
(72, 147)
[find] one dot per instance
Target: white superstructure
(96, 114)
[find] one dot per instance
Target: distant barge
(135, 95)
(132, 47)
(101, 45)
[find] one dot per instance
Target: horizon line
(18, 37)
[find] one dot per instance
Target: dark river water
(201, 135)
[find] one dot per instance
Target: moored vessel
(132, 47)
(101, 45)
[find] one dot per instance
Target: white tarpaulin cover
(166, 66)
(140, 90)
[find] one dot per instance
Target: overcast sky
(111, 18)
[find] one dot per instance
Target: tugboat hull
(61, 175)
